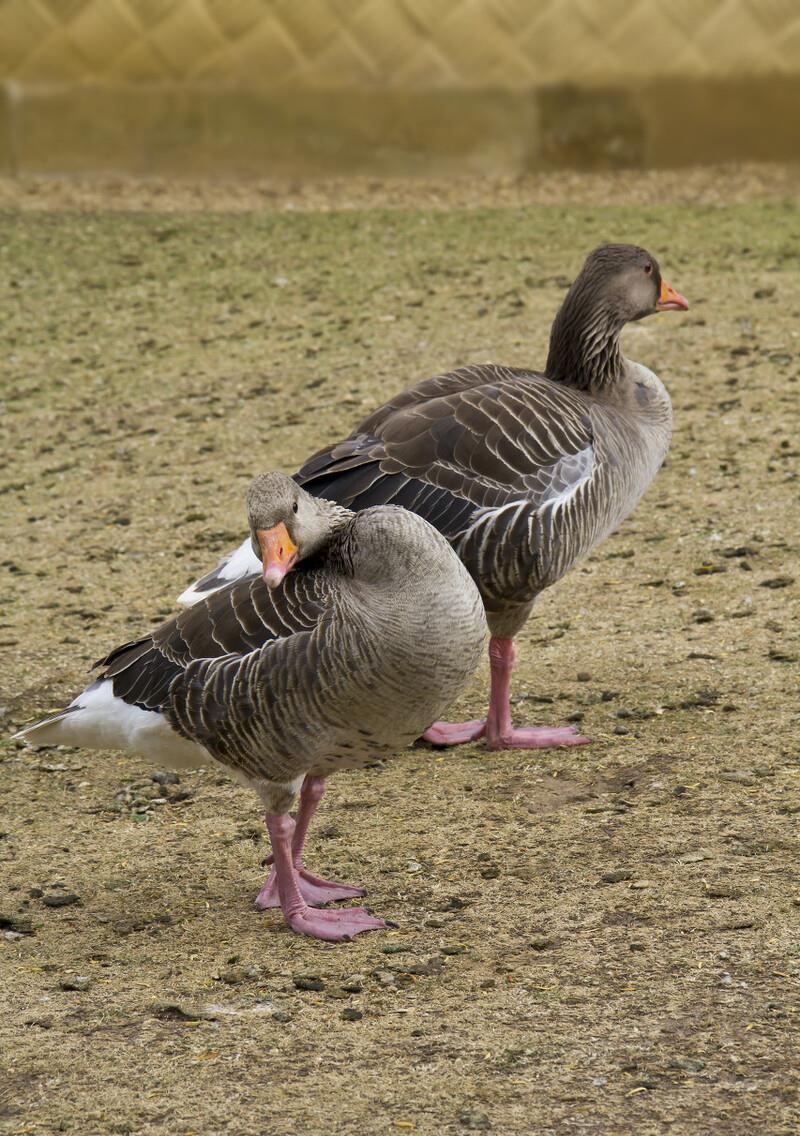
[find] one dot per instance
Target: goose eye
(648, 268)
(294, 507)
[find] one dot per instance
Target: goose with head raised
(367, 629)
(523, 472)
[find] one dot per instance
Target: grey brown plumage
(523, 472)
(349, 659)
(523, 482)
(374, 630)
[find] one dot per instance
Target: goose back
(522, 475)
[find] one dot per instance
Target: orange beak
(278, 553)
(670, 300)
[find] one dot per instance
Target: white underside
(101, 720)
(242, 562)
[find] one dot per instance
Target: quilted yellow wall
(253, 86)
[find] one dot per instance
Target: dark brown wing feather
(236, 620)
(476, 438)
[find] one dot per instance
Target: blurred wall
(283, 87)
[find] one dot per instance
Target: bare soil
(596, 940)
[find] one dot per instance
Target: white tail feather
(98, 719)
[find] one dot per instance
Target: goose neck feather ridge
(584, 344)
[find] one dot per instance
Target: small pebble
(166, 777)
(722, 891)
(583, 676)
(350, 1014)
(542, 943)
(739, 777)
(694, 857)
(233, 975)
(64, 899)
(688, 1064)
(308, 982)
(777, 582)
(353, 984)
(616, 877)
(78, 982)
(477, 1121)
(19, 924)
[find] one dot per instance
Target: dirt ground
(592, 940)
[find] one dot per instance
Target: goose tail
(99, 719)
(47, 731)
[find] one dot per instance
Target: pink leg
(500, 734)
(314, 889)
(497, 729)
(331, 925)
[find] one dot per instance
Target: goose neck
(584, 345)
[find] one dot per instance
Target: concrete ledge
(198, 131)
(8, 164)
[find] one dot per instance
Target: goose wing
(481, 454)
(234, 621)
(453, 449)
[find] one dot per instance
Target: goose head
(625, 281)
(617, 284)
(287, 524)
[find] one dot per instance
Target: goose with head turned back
(523, 472)
(373, 632)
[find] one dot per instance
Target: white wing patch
(551, 485)
(243, 562)
(562, 479)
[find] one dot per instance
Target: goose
(524, 472)
(359, 630)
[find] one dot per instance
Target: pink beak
(670, 300)
(278, 553)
